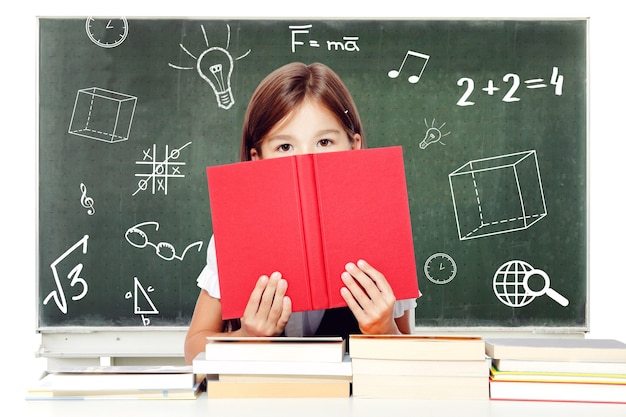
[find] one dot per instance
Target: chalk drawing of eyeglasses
(139, 239)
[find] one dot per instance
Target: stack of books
(419, 367)
(557, 369)
(117, 382)
(275, 367)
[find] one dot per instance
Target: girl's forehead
(308, 105)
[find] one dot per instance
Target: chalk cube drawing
(497, 195)
(102, 114)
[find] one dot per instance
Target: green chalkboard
(491, 115)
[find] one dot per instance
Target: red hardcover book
(307, 216)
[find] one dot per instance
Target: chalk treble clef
(85, 201)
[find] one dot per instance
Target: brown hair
(284, 89)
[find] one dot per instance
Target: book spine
(314, 250)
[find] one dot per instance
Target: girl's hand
(268, 308)
(370, 298)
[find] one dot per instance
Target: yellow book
(284, 389)
(497, 375)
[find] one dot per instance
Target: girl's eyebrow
(327, 131)
(290, 137)
(279, 137)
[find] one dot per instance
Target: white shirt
(300, 323)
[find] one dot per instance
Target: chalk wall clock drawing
(440, 268)
(105, 32)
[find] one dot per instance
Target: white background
(607, 143)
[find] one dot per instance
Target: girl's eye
(325, 142)
(285, 147)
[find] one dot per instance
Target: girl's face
(309, 128)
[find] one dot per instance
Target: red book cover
(307, 216)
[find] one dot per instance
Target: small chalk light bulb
(215, 66)
(433, 135)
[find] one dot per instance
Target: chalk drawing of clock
(440, 268)
(105, 32)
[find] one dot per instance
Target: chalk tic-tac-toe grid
(160, 171)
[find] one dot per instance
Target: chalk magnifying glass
(545, 289)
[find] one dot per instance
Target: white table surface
(312, 407)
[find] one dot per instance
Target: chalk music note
(85, 201)
(413, 79)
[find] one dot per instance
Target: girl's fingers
(368, 288)
(370, 298)
(357, 292)
(285, 313)
(379, 279)
(277, 302)
(263, 294)
(270, 294)
(352, 303)
(255, 297)
(268, 308)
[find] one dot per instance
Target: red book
(307, 216)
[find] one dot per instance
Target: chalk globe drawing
(508, 284)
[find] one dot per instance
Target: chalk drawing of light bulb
(215, 66)
(433, 134)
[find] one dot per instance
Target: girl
(299, 109)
